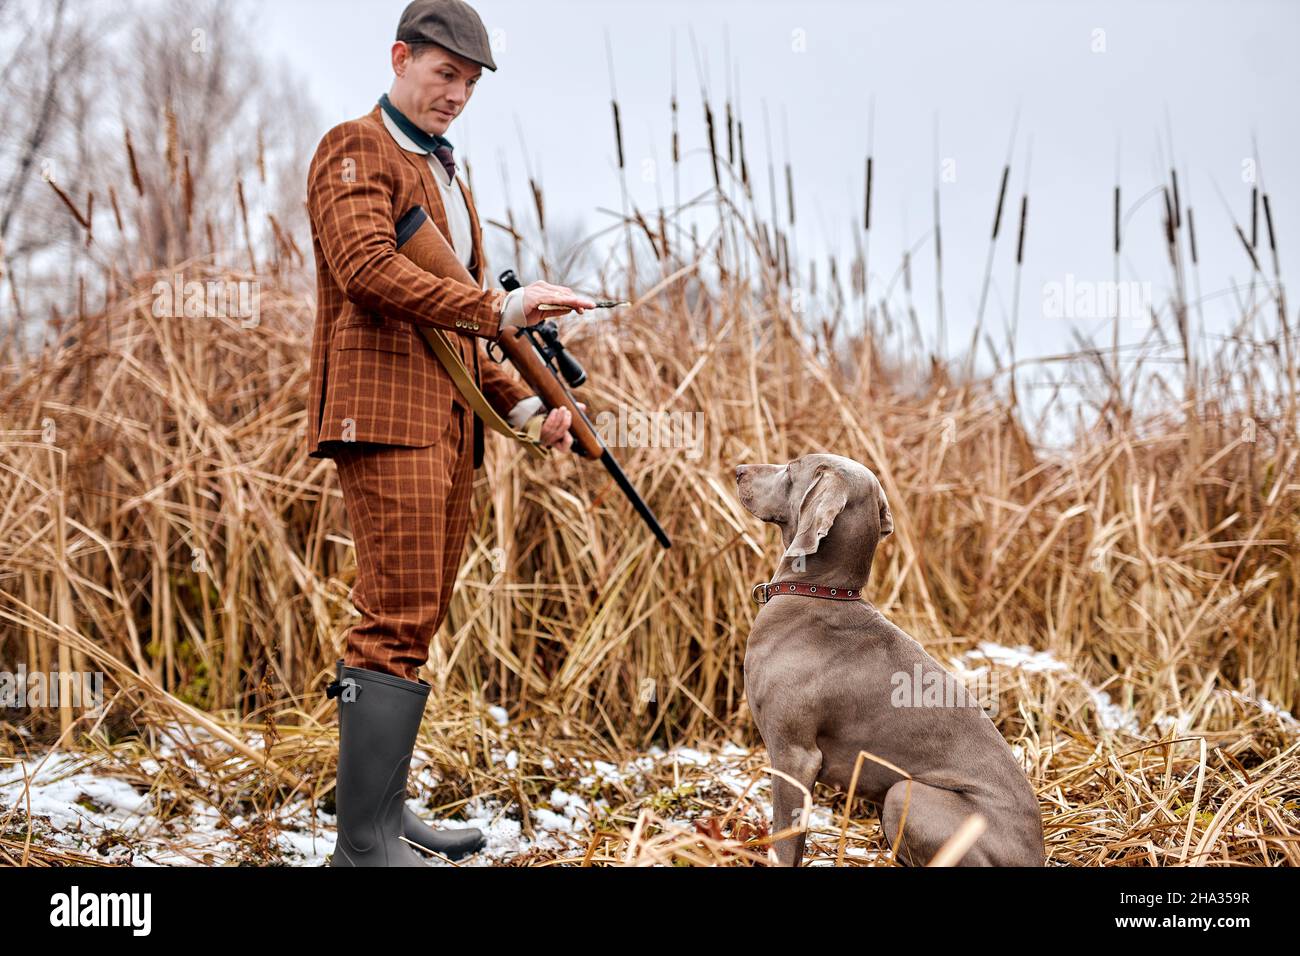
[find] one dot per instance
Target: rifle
(542, 362)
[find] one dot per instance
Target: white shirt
(462, 239)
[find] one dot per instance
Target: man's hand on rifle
(521, 304)
(555, 426)
(555, 430)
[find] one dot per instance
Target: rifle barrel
(641, 507)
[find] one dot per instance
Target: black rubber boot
(453, 844)
(379, 717)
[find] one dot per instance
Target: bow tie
(439, 146)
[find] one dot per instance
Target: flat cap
(453, 24)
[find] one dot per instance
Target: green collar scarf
(428, 142)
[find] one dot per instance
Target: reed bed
(160, 522)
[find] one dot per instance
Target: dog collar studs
(769, 591)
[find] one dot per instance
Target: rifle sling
(450, 358)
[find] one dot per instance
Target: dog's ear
(886, 516)
(822, 503)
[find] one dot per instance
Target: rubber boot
(379, 717)
(453, 844)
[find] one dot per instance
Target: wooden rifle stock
(416, 239)
(523, 354)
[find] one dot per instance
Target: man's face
(434, 88)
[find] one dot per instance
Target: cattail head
(173, 139)
(188, 192)
(618, 133)
(136, 181)
(713, 146)
(866, 206)
(1268, 223)
(538, 204)
(731, 132)
(1117, 219)
(1020, 240)
(1002, 196)
(744, 166)
(1254, 217)
(1178, 213)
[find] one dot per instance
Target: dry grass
(160, 521)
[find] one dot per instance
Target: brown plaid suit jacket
(373, 377)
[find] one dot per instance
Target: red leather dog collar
(807, 590)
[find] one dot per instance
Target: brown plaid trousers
(380, 403)
(410, 513)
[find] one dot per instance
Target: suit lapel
(432, 194)
(420, 163)
(434, 206)
(438, 213)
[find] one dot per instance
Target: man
(385, 409)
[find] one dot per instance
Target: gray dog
(822, 679)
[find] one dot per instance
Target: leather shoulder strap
(451, 361)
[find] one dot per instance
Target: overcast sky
(1093, 83)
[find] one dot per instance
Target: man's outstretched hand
(525, 311)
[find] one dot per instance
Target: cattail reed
(173, 137)
(136, 181)
(677, 158)
(1116, 218)
(744, 165)
(188, 193)
(243, 217)
(649, 233)
(1169, 226)
(1268, 223)
(1020, 240)
(731, 134)
(713, 146)
(1015, 293)
(1250, 251)
(618, 133)
(72, 206)
(117, 212)
(988, 264)
(539, 206)
(866, 203)
(1254, 217)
